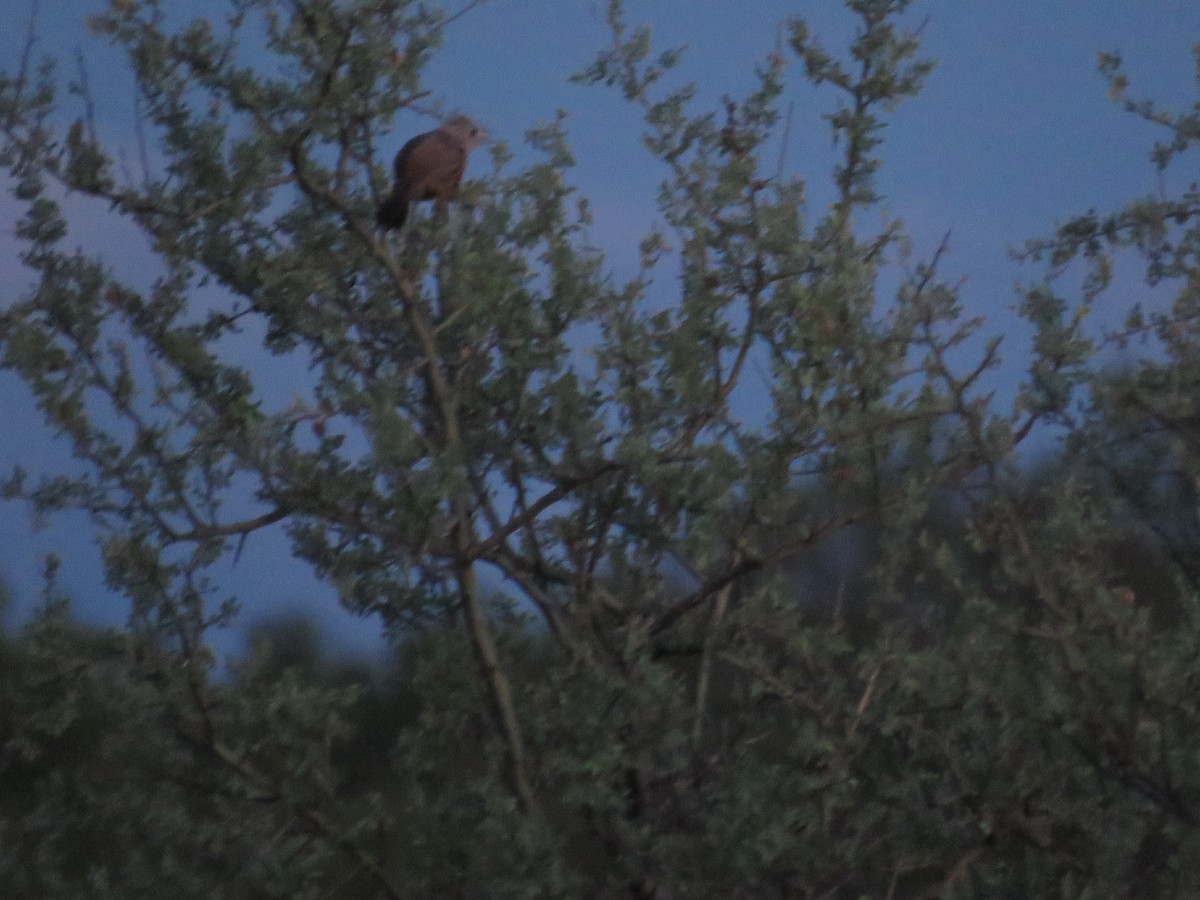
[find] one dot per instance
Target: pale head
(465, 131)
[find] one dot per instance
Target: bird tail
(393, 211)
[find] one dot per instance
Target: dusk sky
(1013, 134)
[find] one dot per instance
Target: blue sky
(1013, 134)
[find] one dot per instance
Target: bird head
(470, 134)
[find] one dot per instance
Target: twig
(85, 91)
(231, 529)
(957, 871)
(783, 144)
(139, 132)
(735, 570)
(23, 70)
(864, 701)
(458, 15)
(501, 689)
(705, 676)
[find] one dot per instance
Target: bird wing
(430, 164)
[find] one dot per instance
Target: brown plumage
(430, 167)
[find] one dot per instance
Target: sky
(1012, 135)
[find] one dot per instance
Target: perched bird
(430, 167)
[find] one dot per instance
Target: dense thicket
(749, 591)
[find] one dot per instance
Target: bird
(430, 167)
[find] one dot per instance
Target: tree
(667, 697)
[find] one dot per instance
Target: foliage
(663, 630)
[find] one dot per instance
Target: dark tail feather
(392, 211)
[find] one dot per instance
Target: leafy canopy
(736, 592)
